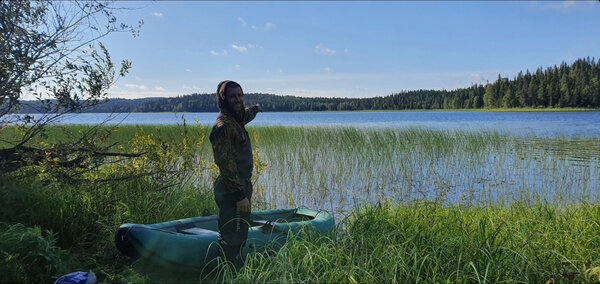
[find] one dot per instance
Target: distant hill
(575, 85)
(113, 105)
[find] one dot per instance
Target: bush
(28, 255)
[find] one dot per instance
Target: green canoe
(192, 242)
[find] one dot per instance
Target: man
(233, 155)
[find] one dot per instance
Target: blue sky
(345, 49)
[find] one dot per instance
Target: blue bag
(78, 277)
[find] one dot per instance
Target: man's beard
(237, 107)
(238, 111)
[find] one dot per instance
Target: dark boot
(233, 255)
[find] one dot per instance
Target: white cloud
(188, 70)
(298, 91)
(564, 5)
(222, 53)
(237, 67)
(321, 49)
(367, 84)
(242, 22)
(245, 48)
(561, 5)
(478, 78)
(239, 48)
(160, 89)
(158, 14)
(136, 87)
(269, 26)
(359, 89)
(327, 69)
(193, 88)
(137, 94)
(254, 46)
(41, 94)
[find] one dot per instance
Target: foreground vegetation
(432, 243)
(408, 204)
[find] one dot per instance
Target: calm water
(543, 124)
(329, 174)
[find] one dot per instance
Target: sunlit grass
(425, 242)
(335, 168)
(412, 205)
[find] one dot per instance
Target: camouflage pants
(233, 225)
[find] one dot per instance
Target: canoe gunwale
(165, 244)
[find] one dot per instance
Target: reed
(412, 205)
(337, 168)
(425, 242)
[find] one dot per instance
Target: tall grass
(336, 168)
(28, 254)
(425, 242)
(84, 219)
(413, 205)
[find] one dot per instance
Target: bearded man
(233, 155)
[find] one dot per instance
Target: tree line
(575, 85)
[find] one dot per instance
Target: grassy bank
(83, 220)
(412, 205)
(431, 243)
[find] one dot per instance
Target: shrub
(28, 254)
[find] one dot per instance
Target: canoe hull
(192, 242)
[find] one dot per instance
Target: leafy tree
(509, 99)
(50, 50)
(565, 92)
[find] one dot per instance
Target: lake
(541, 124)
(400, 156)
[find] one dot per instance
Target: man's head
(230, 96)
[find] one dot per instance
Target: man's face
(235, 98)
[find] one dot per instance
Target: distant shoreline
(380, 110)
(477, 109)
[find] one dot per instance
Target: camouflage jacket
(232, 151)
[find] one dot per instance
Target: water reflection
(467, 159)
(524, 170)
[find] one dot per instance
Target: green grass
(412, 205)
(28, 254)
(431, 243)
(336, 167)
(84, 218)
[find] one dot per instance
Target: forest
(576, 85)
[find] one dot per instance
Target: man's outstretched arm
(251, 112)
